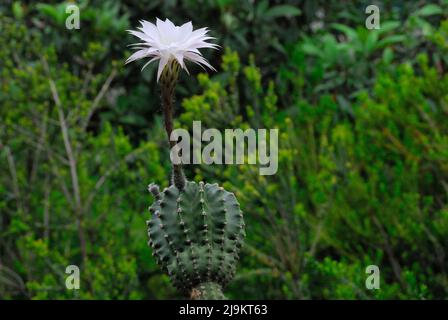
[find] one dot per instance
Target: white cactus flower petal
(165, 42)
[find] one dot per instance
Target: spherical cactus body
(196, 234)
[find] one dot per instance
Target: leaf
(282, 11)
(261, 8)
(429, 10)
(426, 27)
(349, 32)
(55, 12)
(330, 84)
(275, 43)
(47, 10)
(388, 26)
(311, 49)
(241, 39)
(371, 41)
(133, 119)
(221, 3)
(344, 104)
(391, 40)
(388, 56)
(17, 10)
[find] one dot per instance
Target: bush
(362, 175)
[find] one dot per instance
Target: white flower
(166, 42)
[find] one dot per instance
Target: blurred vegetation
(363, 154)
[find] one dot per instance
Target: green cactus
(196, 235)
(196, 230)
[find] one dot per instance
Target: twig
(39, 148)
(15, 181)
(20, 283)
(108, 172)
(29, 138)
(396, 268)
(72, 164)
(87, 79)
(98, 98)
(47, 210)
(64, 188)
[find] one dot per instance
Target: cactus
(196, 230)
(196, 235)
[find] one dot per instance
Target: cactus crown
(196, 234)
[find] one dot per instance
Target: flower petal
(185, 30)
(163, 62)
(165, 41)
(150, 29)
(198, 59)
(141, 35)
(152, 60)
(180, 58)
(137, 55)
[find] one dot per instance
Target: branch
(72, 164)
(98, 98)
(15, 181)
(108, 172)
(29, 138)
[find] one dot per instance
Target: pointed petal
(180, 58)
(198, 59)
(169, 24)
(141, 35)
(137, 55)
(163, 62)
(139, 44)
(150, 29)
(185, 31)
(158, 23)
(164, 41)
(152, 60)
(164, 28)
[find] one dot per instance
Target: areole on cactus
(196, 230)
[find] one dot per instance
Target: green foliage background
(363, 154)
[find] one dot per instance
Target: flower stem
(168, 82)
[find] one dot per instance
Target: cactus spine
(196, 235)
